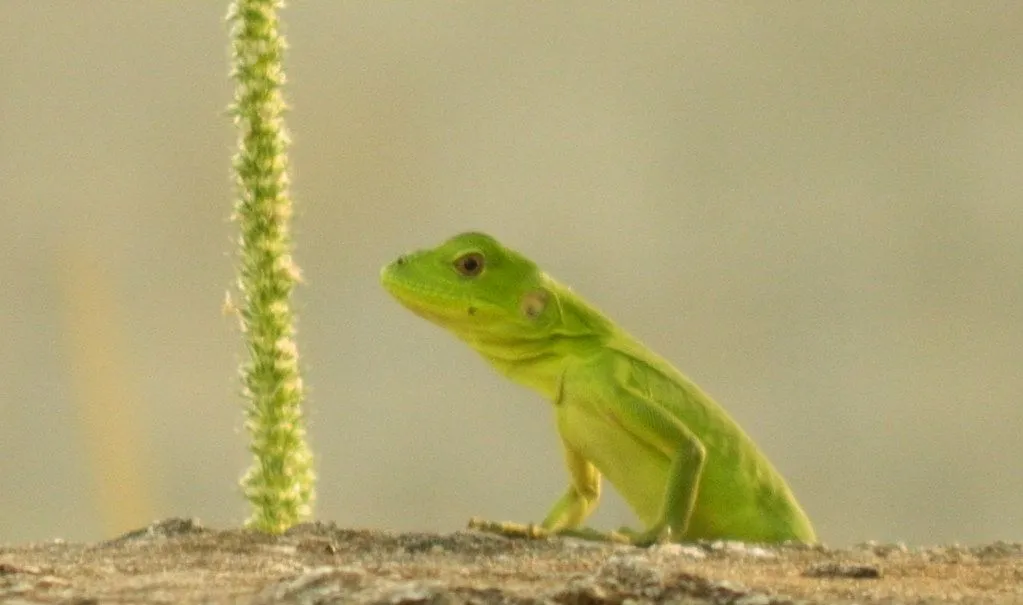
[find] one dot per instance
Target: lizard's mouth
(431, 304)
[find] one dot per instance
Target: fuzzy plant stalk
(279, 484)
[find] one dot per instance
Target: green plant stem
(279, 483)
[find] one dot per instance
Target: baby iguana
(683, 465)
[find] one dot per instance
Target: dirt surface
(178, 561)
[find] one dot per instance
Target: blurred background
(814, 210)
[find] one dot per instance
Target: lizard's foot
(595, 535)
(508, 529)
(658, 534)
(534, 531)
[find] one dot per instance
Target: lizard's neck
(536, 364)
(539, 361)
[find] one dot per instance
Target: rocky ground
(178, 561)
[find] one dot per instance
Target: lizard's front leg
(632, 408)
(570, 510)
(579, 499)
(679, 494)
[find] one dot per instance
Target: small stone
(843, 570)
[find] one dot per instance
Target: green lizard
(684, 466)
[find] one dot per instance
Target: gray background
(813, 209)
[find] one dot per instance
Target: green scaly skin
(684, 466)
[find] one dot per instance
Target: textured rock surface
(179, 561)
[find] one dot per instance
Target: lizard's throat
(535, 363)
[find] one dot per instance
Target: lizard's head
(475, 287)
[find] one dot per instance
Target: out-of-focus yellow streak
(108, 409)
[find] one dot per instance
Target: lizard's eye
(470, 265)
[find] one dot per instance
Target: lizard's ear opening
(534, 303)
